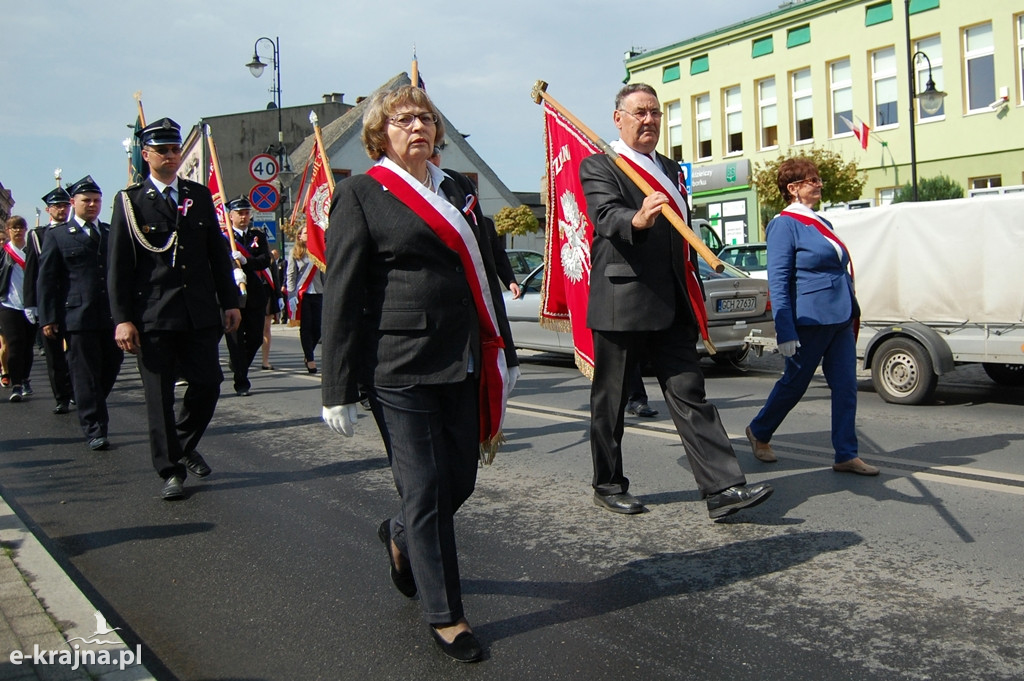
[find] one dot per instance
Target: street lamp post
(931, 98)
(256, 69)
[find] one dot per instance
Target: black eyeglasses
(166, 149)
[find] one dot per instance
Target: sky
(68, 70)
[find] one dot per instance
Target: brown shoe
(855, 466)
(762, 450)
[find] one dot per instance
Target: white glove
(237, 255)
(280, 304)
(341, 418)
(788, 349)
(30, 315)
(513, 377)
(239, 276)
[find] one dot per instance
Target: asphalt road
(271, 569)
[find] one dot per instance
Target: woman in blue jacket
(810, 279)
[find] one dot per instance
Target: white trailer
(940, 283)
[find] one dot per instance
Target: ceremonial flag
(218, 197)
(860, 131)
(137, 169)
(318, 205)
(568, 237)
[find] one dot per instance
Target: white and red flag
(860, 130)
(568, 237)
(218, 197)
(318, 205)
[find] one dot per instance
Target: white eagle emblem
(575, 253)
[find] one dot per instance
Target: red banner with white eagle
(318, 206)
(568, 237)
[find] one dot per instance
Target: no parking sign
(264, 197)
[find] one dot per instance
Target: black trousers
(431, 433)
(94, 361)
(244, 343)
(164, 356)
(673, 353)
(309, 325)
(57, 368)
(19, 336)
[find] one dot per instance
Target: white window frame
(929, 45)
(883, 76)
(702, 125)
(989, 52)
(765, 105)
(674, 128)
(1020, 58)
(732, 105)
(839, 88)
(800, 96)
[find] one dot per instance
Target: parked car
(736, 304)
(751, 258)
(523, 262)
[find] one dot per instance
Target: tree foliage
(518, 221)
(930, 189)
(841, 180)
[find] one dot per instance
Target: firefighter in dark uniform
(252, 253)
(58, 207)
(172, 295)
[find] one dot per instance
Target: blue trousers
(833, 347)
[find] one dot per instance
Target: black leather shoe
(404, 581)
(619, 503)
(99, 443)
(733, 499)
(465, 647)
(62, 408)
(243, 393)
(641, 409)
(196, 464)
(174, 488)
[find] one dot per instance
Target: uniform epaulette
(134, 185)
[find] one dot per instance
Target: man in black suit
(170, 277)
(644, 295)
(253, 254)
(58, 205)
(72, 293)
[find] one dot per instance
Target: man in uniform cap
(72, 292)
(58, 205)
(170, 280)
(252, 253)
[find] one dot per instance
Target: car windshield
(748, 258)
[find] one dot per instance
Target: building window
(674, 126)
(1020, 56)
(933, 48)
(699, 65)
(878, 14)
(803, 106)
(768, 114)
(800, 35)
(923, 5)
(883, 79)
(702, 115)
(340, 173)
(762, 46)
(986, 182)
(979, 67)
(733, 121)
(885, 195)
(670, 73)
(841, 88)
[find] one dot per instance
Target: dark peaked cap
(57, 197)
(85, 186)
(163, 131)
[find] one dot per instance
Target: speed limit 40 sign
(263, 168)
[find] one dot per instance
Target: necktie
(170, 201)
(94, 232)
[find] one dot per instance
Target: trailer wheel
(1005, 374)
(902, 372)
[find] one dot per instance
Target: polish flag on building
(860, 130)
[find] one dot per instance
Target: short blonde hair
(382, 106)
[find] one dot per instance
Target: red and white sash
(240, 247)
(448, 223)
(304, 280)
(655, 176)
(805, 215)
(17, 257)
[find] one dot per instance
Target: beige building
(787, 80)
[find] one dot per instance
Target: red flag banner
(568, 237)
(317, 208)
(218, 197)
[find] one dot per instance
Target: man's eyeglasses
(166, 149)
(405, 120)
(642, 115)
